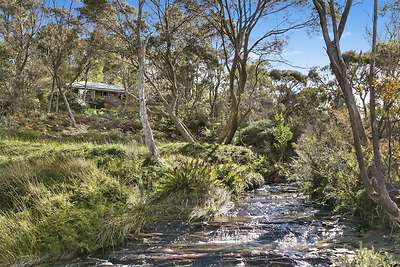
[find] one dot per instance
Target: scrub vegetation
(115, 114)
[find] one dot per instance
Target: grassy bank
(61, 200)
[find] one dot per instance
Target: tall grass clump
(60, 208)
(190, 190)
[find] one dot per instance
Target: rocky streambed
(275, 225)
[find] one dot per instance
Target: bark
(385, 200)
(372, 177)
(183, 130)
(66, 103)
(233, 124)
(148, 133)
(57, 102)
(389, 133)
(213, 96)
(229, 130)
(51, 96)
(125, 83)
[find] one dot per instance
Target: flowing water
(272, 226)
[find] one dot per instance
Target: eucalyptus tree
(236, 22)
(124, 30)
(142, 45)
(20, 21)
(64, 49)
(333, 25)
(182, 56)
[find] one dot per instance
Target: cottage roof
(98, 87)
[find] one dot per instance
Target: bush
(28, 135)
(238, 178)
(282, 135)
(257, 136)
(97, 104)
(327, 167)
(190, 176)
(18, 238)
(212, 153)
(369, 258)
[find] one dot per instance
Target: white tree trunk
(148, 133)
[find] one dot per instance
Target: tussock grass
(64, 199)
(51, 207)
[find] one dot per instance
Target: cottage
(112, 95)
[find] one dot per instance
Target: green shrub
(258, 136)
(262, 166)
(282, 134)
(230, 176)
(327, 167)
(238, 178)
(18, 238)
(369, 258)
(28, 135)
(272, 138)
(73, 198)
(212, 153)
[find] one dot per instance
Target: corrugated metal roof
(98, 87)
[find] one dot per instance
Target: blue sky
(307, 50)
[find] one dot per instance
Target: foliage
(271, 138)
(63, 207)
(74, 198)
(326, 166)
(282, 134)
(193, 176)
(212, 153)
(369, 258)
(258, 136)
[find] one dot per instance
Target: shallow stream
(275, 225)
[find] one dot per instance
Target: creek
(275, 225)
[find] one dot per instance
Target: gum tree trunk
(372, 177)
(66, 103)
(148, 133)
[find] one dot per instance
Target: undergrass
(59, 200)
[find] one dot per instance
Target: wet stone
(273, 226)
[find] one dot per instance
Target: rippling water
(272, 226)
